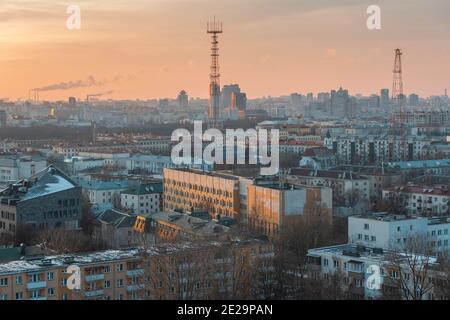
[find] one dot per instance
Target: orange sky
(155, 48)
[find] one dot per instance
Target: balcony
(135, 287)
(135, 272)
(94, 293)
(38, 298)
(36, 285)
(95, 277)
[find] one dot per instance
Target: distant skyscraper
(183, 99)
(72, 101)
(238, 100)
(413, 100)
(309, 98)
(384, 99)
(296, 100)
(323, 97)
(374, 101)
(341, 105)
(227, 92)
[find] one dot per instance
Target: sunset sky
(155, 48)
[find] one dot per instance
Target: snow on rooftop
(52, 185)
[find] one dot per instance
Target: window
(373, 238)
(50, 276)
(366, 226)
(107, 284)
(19, 280)
(3, 282)
(19, 295)
(120, 282)
(107, 269)
(120, 267)
(51, 291)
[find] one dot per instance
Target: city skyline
(155, 49)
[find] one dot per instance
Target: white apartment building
(356, 265)
(387, 231)
(373, 149)
(143, 199)
(16, 167)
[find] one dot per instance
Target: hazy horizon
(153, 49)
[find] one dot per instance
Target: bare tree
(410, 269)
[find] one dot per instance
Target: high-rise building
(384, 99)
(341, 105)
(72, 101)
(413, 100)
(323, 97)
(238, 100)
(374, 101)
(309, 98)
(183, 99)
(227, 92)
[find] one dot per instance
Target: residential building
(22, 203)
(352, 269)
(421, 200)
(273, 206)
(14, 167)
(348, 188)
(319, 158)
(186, 189)
(207, 270)
(389, 231)
(145, 198)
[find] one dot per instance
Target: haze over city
(152, 49)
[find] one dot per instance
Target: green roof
(146, 188)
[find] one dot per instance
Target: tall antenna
(214, 28)
(397, 85)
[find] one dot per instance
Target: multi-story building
(319, 158)
(352, 268)
(388, 231)
(421, 200)
(208, 270)
(183, 99)
(16, 167)
(273, 206)
(422, 167)
(424, 118)
(376, 149)
(145, 198)
(106, 194)
(384, 99)
(187, 227)
(47, 200)
(186, 190)
(348, 187)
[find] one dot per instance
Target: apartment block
(421, 200)
(191, 189)
(273, 206)
(207, 270)
(388, 231)
(22, 203)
